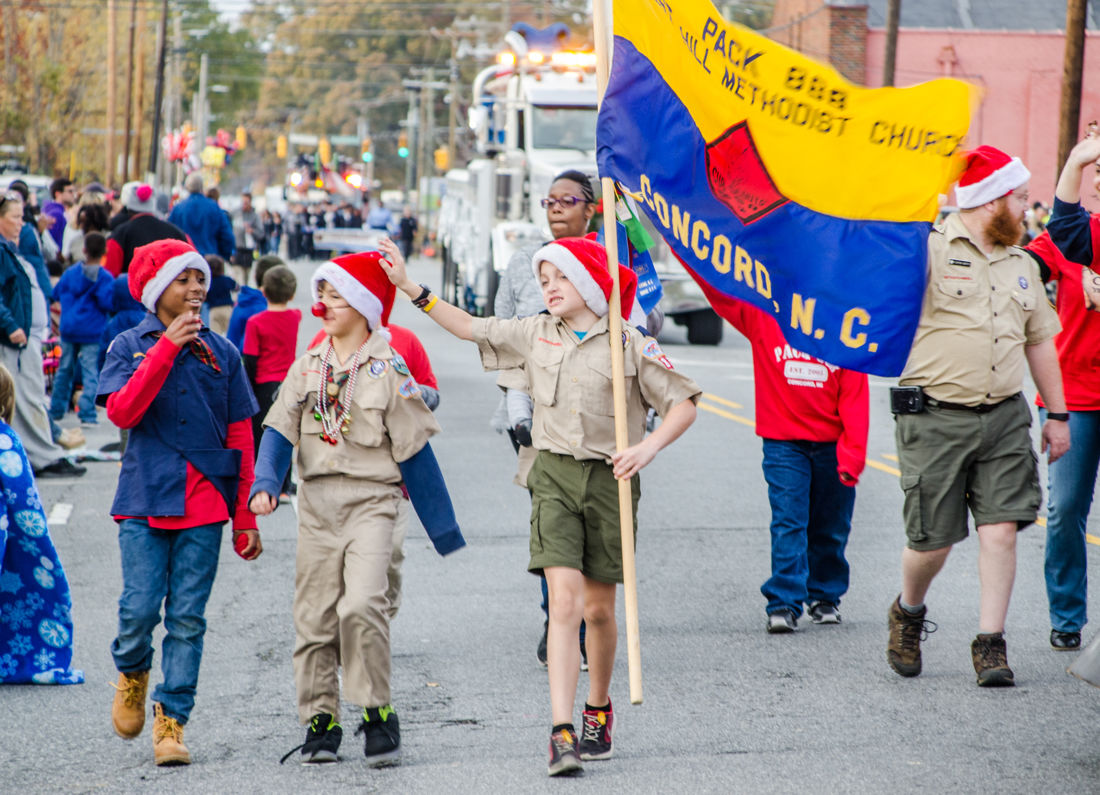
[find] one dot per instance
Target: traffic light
(241, 137)
(324, 149)
(367, 155)
(403, 144)
(280, 146)
(441, 159)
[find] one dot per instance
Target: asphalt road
(727, 707)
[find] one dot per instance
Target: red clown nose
(318, 309)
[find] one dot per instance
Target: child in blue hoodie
(86, 296)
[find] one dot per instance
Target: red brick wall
(834, 34)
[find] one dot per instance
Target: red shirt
(408, 345)
(1078, 343)
(271, 336)
(799, 397)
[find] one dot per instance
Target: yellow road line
(722, 400)
(883, 468)
(889, 457)
(727, 415)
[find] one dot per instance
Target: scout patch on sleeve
(399, 365)
(377, 368)
(408, 388)
(626, 341)
(652, 350)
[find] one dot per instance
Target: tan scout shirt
(570, 380)
(389, 421)
(979, 312)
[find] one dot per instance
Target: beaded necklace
(328, 388)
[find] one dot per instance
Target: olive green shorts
(575, 516)
(952, 461)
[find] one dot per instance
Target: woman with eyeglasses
(24, 319)
(570, 205)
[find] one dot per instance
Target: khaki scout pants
(341, 608)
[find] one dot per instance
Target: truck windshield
(563, 127)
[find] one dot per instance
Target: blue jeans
(86, 354)
(176, 568)
(811, 520)
(1071, 481)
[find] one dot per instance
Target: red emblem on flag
(738, 178)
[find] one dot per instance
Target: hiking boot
(782, 621)
(596, 733)
(382, 736)
(564, 759)
(168, 747)
(540, 652)
(128, 707)
(907, 630)
(322, 739)
(991, 661)
(824, 613)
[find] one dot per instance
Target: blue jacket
(126, 312)
(15, 294)
(187, 422)
(207, 226)
(250, 301)
(84, 304)
(31, 251)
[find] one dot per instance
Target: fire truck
(533, 116)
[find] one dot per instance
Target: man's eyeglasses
(564, 201)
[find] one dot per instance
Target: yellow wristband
(430, 304)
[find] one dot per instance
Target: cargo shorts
(575, 516)
(954, 460)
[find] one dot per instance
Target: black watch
(422, 299)
(1058, 416)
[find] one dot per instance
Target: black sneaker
(596, 733)
(584, 657)
(782, 621)
(824, 613)
(61, 468)
(540, 652)
(322, 740)
(382, 736)
(564, 759)
(1065, 641)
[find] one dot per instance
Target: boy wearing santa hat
(962, 423)
(575, 534)
(181, 391)
(361, 428)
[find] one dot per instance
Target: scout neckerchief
(328, 390)
(201, 350)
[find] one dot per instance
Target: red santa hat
(990, 174)
(584, 263)
(361, 282)
(155, 265)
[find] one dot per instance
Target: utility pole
(423, 134)
(410, 123)
(199, 110)
(1072, 68)
(158, 93)
(112, 111)
(893, 14)
(129, 95)
(139, 115)
(452, 107)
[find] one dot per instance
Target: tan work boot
(168, 747)
(128, 708)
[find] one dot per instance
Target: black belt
(981, 408)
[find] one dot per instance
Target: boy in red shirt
(270, 339)
(813, 419)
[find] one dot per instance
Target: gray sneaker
(782, 621)
(824, 613)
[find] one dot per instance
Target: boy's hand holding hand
(184, 329)
(263, 504)
(247, 543)
(630, 461)
(394, 266)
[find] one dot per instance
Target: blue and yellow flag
(776, 181)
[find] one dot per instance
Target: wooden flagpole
(602, 31)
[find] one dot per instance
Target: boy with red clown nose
(575, 533)
(182, 392)
(361, 428)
